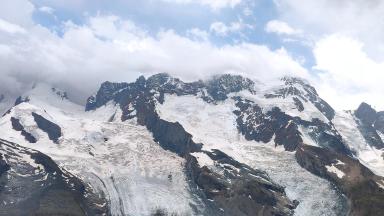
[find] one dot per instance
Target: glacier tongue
(215, 127)
(119, 159)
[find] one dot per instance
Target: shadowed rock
(18, 127)
(363, 188)
(52, 129)
(37, 186)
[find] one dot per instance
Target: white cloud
(10, 27)
(347, 45)
(214, 4)
(110, 48)
(281, 28)
(46, 9)
(18, 12)
(223, 29)
(358, 19)
(198, 34)
(350, 77)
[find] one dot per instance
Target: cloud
(214, 4)
(10, 27)
(281, 28)
(350, 77)
(196, 33)
(346, 39)
(223, 29)
(46, 9)
(111, 48)
(18, 12)
(357, 19)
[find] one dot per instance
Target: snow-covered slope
(119, 159)
(215, 126)
(226, 146)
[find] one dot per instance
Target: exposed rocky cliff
(32, 184)
(218, 146)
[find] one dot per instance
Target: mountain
(160, 146)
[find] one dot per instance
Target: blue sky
(77, 44)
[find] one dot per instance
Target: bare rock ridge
(224, 146)
(370, 123)
(19, 127)
(32, 184)
(230, 191)
(52, 129)
(139, 100)
(363, 188)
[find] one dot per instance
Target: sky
(75, 45)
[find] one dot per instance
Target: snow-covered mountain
(161, 146)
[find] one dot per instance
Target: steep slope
(118, 159)
(362, 132)
(31, 183)
(290, 114)
(225, 146)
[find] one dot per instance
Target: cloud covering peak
(107, 47)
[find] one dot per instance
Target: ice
(369, 156)
(215, 127)
(203, 159)
(335, 170)
(119, 159)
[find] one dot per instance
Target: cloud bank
(347, 45)
(108, 47)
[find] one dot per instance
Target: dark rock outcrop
(216, 89)
(231, 193)
(302, 91)
(238, 189)
(220, 86)
(256, 125)
(364, 189)
(366, 114)
(53, 130)
(61, 94)
(18, 127)
(299, 105)
(20, 100)
(4, 167)
(366, 121)
(379, 123)
(106, 93)
(32, 184)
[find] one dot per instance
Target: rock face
(369, 123)
(238, 189)
(364, 189)
(52, 129)
(32, 184)
(241, 190)
(235, 188)
(18, 127)
(366, 114)
(379, 123)
(216, 172)
(214, 90)
(302, 92)
(259, 126)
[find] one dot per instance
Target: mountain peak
(366, 113)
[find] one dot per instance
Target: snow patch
(203, 159)
(332, 169)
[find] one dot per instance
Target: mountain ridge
(214, 129)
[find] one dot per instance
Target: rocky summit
(228, 145)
